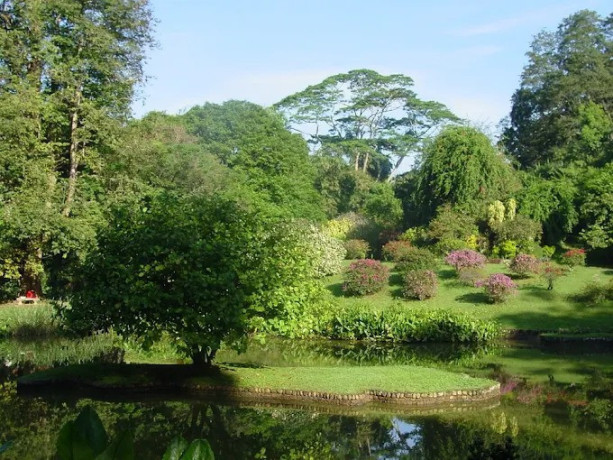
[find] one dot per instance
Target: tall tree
(253, 142)
(373, 120)
(68, 72)
(563, 108)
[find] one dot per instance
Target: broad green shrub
(470, 276)
(447, 245)
(417, 259)
(417, 236)
(521, 228)
(356, 249)
(420, 284)
(326, 252)
(465, 258)
(573, 258)
(406, 325)
(395, 250)
(364, 277)
(548, 251)
(506, 249)
(498, 287)
(524, 264)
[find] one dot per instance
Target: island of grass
(409, 385)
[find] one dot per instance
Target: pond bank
(404, 385)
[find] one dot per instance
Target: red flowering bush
(365, 276)
(573, 257)
(395, 250)
(524, 264)
(465, 258)
(356, 249)
(420, 284)
(498, 287)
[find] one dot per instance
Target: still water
(557, 403)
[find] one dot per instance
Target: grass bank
(365, 383)
(533, 308)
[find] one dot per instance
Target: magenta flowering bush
(498, 287)
(524, 264)
(365, 276)
(465, 258)
(420, 284)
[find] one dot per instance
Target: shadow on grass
(539, 292)
(473, 297)
(336, 289)
(395, 279)
(446, 274)
(397, 293)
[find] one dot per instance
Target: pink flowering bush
(524, 264)
(395, 250)
(573, 257)
(420, 284)
(365, 276)
(498, 287)
(465, 258)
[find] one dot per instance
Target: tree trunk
(357, 161)
(365, 165)
(74, 156)
(202, 357)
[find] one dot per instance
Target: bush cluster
(417, 259)
(364, 277)
(465, 258)
(573, 257)
(420, 284)
(357, 249)
(524, 264)
(405, 325)
(596, 293)
(396, 250)
(498, 287)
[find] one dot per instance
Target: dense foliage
(465, 259)
(419, 284)
(525, 264)
(498, 287)
(365, 277)
(357, 249)
(417, 259)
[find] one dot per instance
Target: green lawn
(534, 307)
(341, 380)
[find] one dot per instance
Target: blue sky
(466, 54)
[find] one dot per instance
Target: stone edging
(371, 396)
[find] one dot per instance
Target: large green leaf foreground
(351, 385)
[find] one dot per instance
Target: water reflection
(557, 405)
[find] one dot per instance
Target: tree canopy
(374, 121)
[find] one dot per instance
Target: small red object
(30, 295)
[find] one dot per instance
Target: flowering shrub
(357, 249)
(470, 276)
(395, 250)
(550, 273)
(498, 287)
(417, 259)
(420, 284)
(573, 257)
(365, 276)
(524, 264)
(465, 258)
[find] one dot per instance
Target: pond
(557, 403)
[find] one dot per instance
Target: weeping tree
(460, 167)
